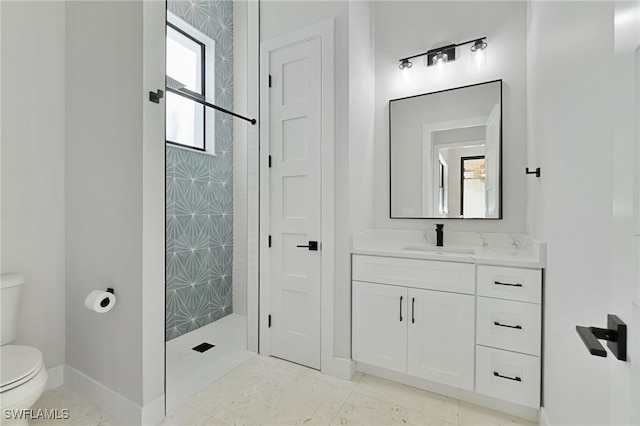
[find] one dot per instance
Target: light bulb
(478, 60)
(440, 58)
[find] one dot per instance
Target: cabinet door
(380, 325)
(441, 337)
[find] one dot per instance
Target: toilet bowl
(23, 375)
(23, 380)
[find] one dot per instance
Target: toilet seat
(18, 365)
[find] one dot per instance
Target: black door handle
(615, 334)
(313, 246)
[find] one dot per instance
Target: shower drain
(202, 347)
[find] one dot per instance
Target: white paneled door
(295, 201)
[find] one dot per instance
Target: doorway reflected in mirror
(429, 135)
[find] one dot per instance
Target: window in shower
(190, 74)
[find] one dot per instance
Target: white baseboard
(463, 395)
(112, 402)
(341, 368)
(153, 413)
(543, 420)
(56, 377)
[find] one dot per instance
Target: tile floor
(268, 391)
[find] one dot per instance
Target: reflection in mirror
(445, 152)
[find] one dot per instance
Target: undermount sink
(439, 250)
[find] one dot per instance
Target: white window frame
(209, 80)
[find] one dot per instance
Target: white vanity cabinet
(466, 325)
(508, 334)
(405, 321)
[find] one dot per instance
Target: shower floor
(189, 371)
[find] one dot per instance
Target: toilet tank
(10, 289)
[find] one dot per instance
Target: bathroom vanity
(463, 320)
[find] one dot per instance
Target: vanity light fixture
(405, 63)
(478, 45)
(443, 54)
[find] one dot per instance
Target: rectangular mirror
(445, 153)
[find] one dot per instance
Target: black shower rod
(201, 101)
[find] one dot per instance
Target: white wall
(104, 191)
(407, 28)
(33, 191)
(572, 105)
(114, 204)
(361, 153)
(361, 116)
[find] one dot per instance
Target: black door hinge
(269, 240)
(269, 320)
(269, 161)
(269, 80)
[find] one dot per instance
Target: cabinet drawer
(524, 285)
(509, 325)
(507, 375)
(425, 274)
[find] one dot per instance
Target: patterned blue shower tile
(199, 199)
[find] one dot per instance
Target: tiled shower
(199, 194)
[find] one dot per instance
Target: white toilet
(23, 375)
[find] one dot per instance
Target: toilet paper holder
(105, 302)
(101, 301)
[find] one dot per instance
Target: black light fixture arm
(201, 101)
(443, 48)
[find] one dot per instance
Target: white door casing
(492, 163)
(323, 32)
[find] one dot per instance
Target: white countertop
(483, 249)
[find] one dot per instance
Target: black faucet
(439, 234)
